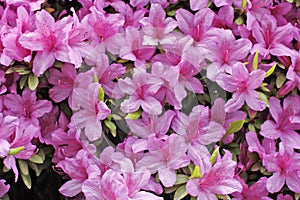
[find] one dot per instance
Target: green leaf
(244, 3)
(181, 179)
(251, 127)
(35, 168)
(23, 81)
(33, 81)
(264, 97)
(255, 60)
(116, 117)
(5, 197)
(270, 71)
(36, 159)
(280, 80)
(122, 61)
(235, 127)
(27, 180)
(14, 151)
(112, 127)
(214, 156)
(100, 94)
(134, 115)
(193, 198)
(239, 21)
(180, 193)
(10, 70)
(171, 13)
(196, 173)
(169, 190)
(23, 166)
(95, 78)
(191, 168)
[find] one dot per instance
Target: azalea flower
(49, 42)
(224, 51)
(285, 167)
(283, 127)
(133, 48)
(107, 73)
(63, 82)
(80, 169)
(157, 27)
(20, 140)
(90, 111)
(151, 124)
(195, 25)
(257, 190)
(167, 159)
(3, 188)
(243, 84)
(270, 38)
(216, 179)
(141, 89)
(294, 70)
(27, 107)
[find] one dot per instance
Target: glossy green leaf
(35, 168)
(134, 115)
(264, 97)
(36, 159)
(235, 127)
(14, 151)
(271, 70)
(280, 80)
(100, 94)
(255, 60)
(23, 81)
(33, 81)
(181, 179)
(244, 3)
(23, 165)
(180, 193)
(112, 127)
(214, 155)
(196, 173)
(27, 180)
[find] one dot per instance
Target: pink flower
(12, 46)
(165, 160)
(133, 49)
(157, 27)
(216, 179)
(197, 5)
(90, 111)
(283, 127)
(141, 89)
(47, 40)
(63, 82)
(27, 107)
(21, 138)
(243, 85)
(195, 25)
(101, 28)
(285, 167)
(270, 38)
(107, 73)
(3, 188)
(197, 128)
(151, 125)
(225, 51)
(80, 169)
(256, 191)
(294, 70)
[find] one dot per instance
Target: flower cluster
(152, 99)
